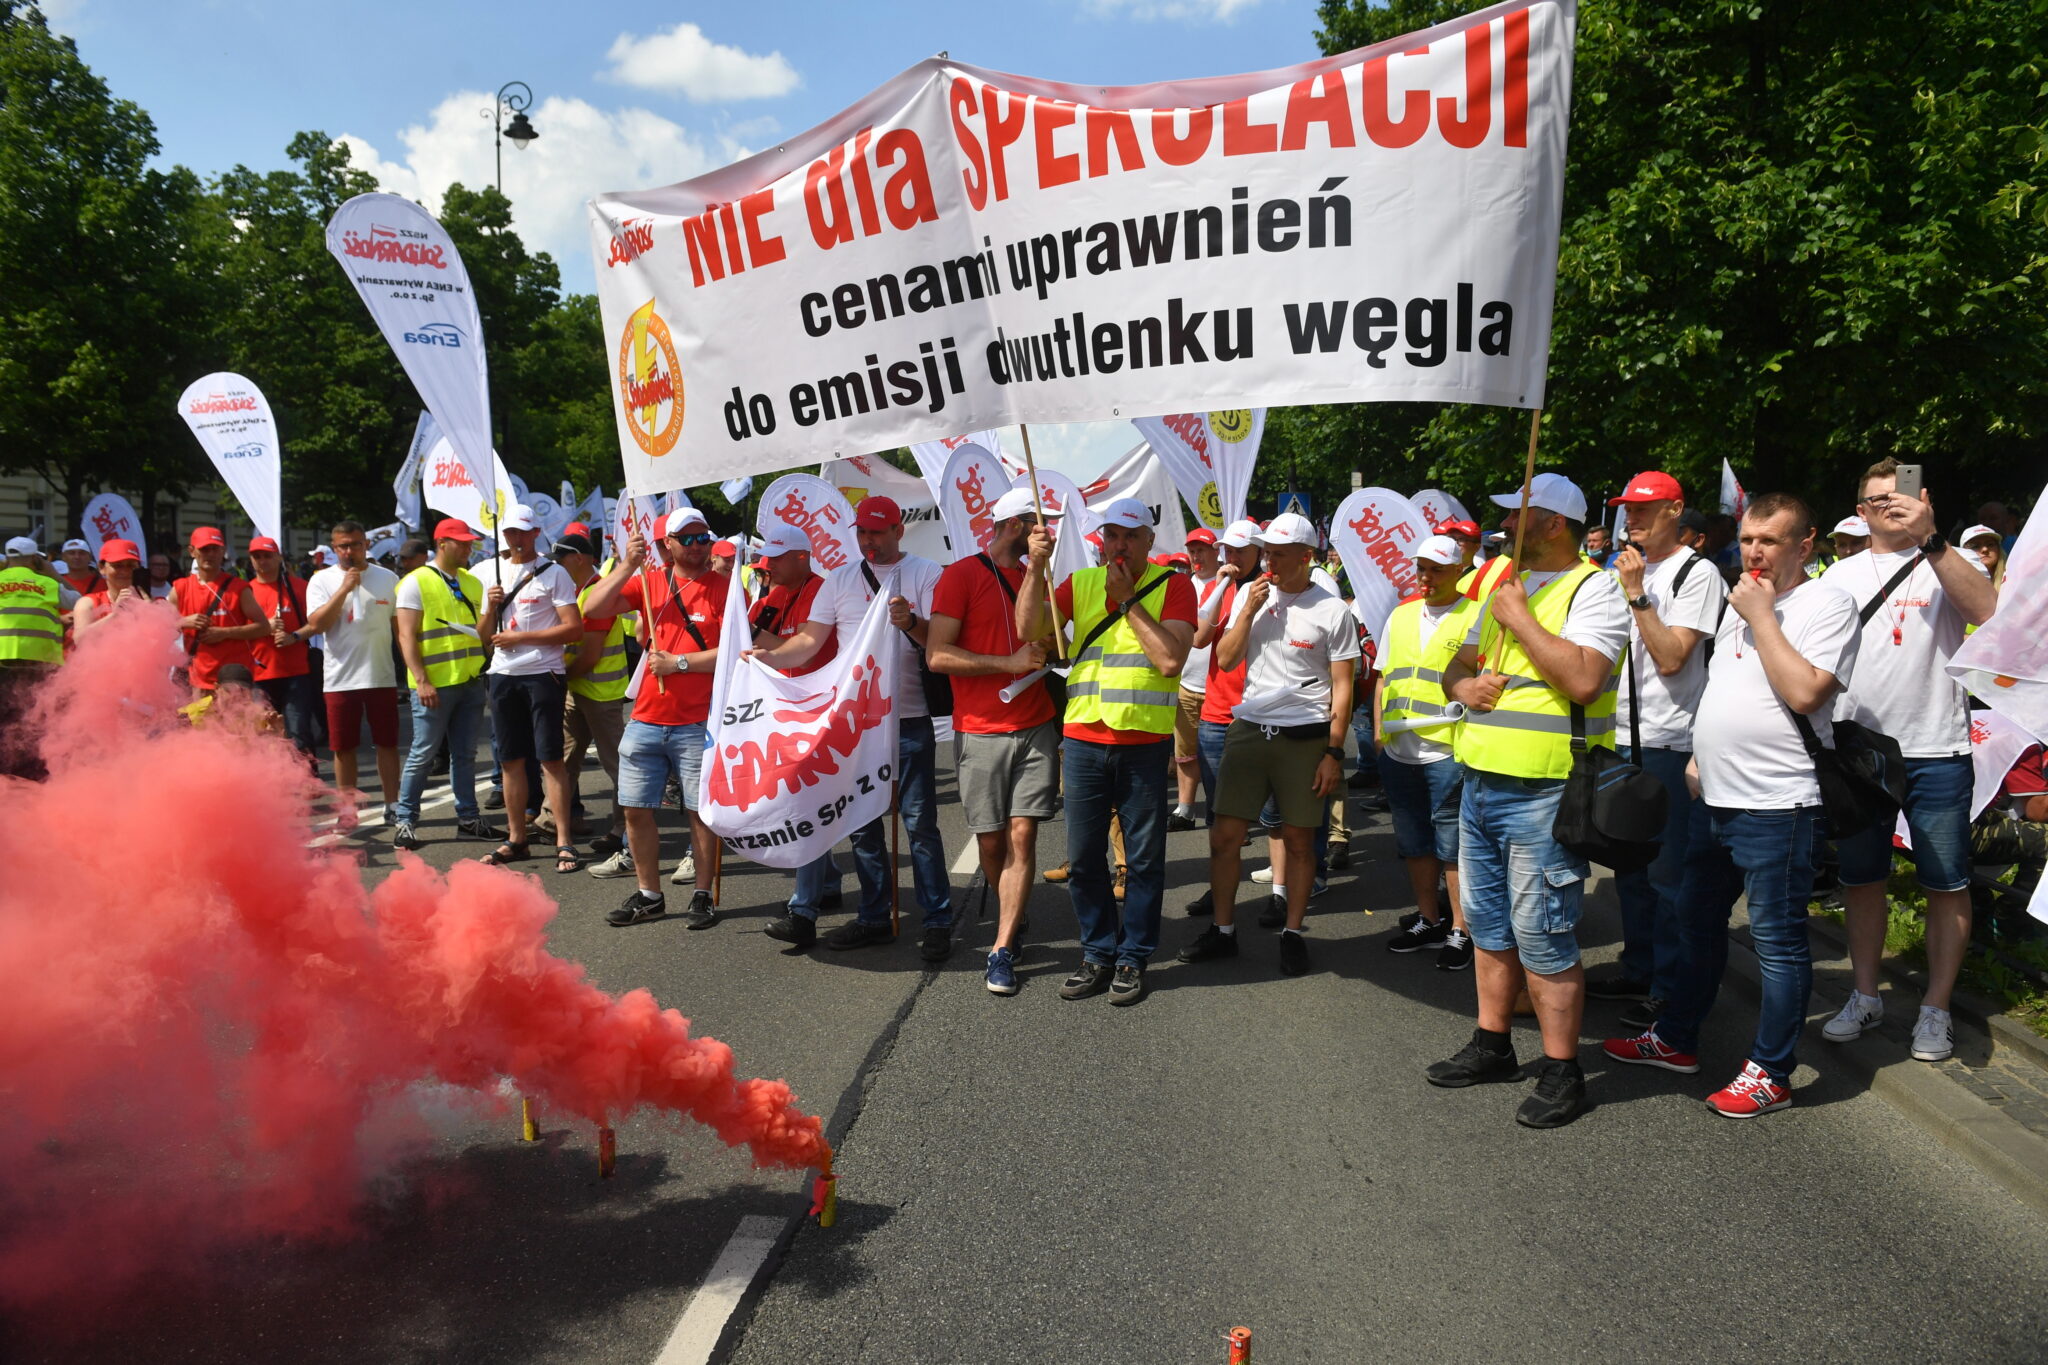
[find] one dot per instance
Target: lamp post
(518, 97)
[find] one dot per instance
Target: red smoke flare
(201, 1013)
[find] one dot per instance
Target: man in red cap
(278, 660)
(1675, 600)
(216, 610)
(908, 582)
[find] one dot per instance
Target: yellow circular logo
(1231, 426)
(650, 382)
(490, 515)
(1212, 506)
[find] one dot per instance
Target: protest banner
(859, 476)
(1438, 507)
(411, 278)
(409, 505)
(1141, 474)
(1996, 743)
(1734, 501)
(1066, 508)
(793, 765)
(1375, 532)
(231, 419)
(972, 482)
(735, 491)
(964, 249)
(2004, 662)
(931, 456)
(447, 486)
(110, 517)
(631, 514)
(548, 513)
(820, 511)
(1210, 457)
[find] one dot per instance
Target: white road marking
(711, 1307)
(433, 799)
(969, 860)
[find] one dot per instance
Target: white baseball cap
(75, 544)
(23, 545)
(518, 518)
(674, 523)
(1289, 528)
(1851, 526)
(1126, 512)
(1241, 535)
(782, 539)
(1440, 550)
(1550, 491)
(1978, 533)
(1016, 503)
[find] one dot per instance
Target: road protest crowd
(1712, 671)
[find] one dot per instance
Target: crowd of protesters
(1212, 687)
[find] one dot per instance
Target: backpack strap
(1870, 607)
(1117, 613)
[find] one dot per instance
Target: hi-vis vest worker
(449, 646)
(1113, 683)
(606, 680)
(1414, 670)
(1528, 733)
(31, 631)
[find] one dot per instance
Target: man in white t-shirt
(1675, 601)
(352, 603)
(1299, 646)
(528, 620)
(1914, 595)
(908, 581)
(1194, 681)
(1785, 648)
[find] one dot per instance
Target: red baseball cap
(575, 528)
(1468, 529)
(453, 528)
(1650, 486)
(264, 543)
(724, 547)
(208, 535)
(118, 551)
(877, 513)
(1201, 535)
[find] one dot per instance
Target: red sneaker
(1750, 1094)
(1647, 1049)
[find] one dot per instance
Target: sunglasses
(693, 540)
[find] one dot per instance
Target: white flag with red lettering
(819, 510)
(1141, 474)
(1210, 456)
(968, 490)
(1376, 532)
(1438, 507)
(231, 418)
(931, 456)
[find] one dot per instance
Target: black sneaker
(1411, 919)
(1210, 944)
(829, 900)
(1362, 781)
(701, 914)
(1293, 954)
(479, 828)
(605, 845)
(1376, 802)
(1176, 823)
(1204, 904)
(798, 930)
(1616, 985)
(936, 945)
(857, 933)
(1560, 1095)
(1473, 1064)
(1422, 934)
(1275, 913)
(1128, 987)
(1456, 954)
(1090, 978)
(1340, 857)
(1643, 1014)
(636, 908)
(402, 836)
(495, 800)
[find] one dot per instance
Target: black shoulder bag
(1611, 812)
(1055, 683)
(938, 688)
(1863, 778)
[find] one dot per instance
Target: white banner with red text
(231, 419)
(1438, 507)
(820, 511)
(1376, 532)
(861, 476)
(111, 517)
(964, 249)
(1141, 474)
(968, 489)
(1210, 456)
(931, 456)
(2004, 662)
(449, 489)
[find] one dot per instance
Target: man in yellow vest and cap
(436, 615)
(1540, 662)
(1133, 623)
(597, 676)
(31, 646)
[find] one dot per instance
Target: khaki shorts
(1186, 726)
(1007, 777)
(1255, 767)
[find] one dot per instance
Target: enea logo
(650, 382)
(437, 334)
(1231, 426)
(248, 450)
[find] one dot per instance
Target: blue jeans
(813, 880)
(1522, 890)
(918, 800)
(1937, 816)
(1209, 736)
(1130, 780)
(457, 716)
(295, 699)
(1361, 730)
(1649, 895)
(1768, 856)
(1425, 800)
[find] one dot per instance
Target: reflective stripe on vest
(1414, 670)
(1529, 732)
(606, 680)
(1113, 683)
(31, 626)
(452, 656)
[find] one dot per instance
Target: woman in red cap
(121, 567)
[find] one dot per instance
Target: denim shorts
(649, 753)
(1937, 810)
(1424, 798)
(1522, 890)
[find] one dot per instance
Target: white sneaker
(1264, 876)
(1934, 1035)
(1862, 1012)
(686, 871)
(620, 864)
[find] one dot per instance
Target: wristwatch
(682, 663)
(1639, 603)
(1334, 752)
(1934, 546)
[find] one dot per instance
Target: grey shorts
(1014, 776)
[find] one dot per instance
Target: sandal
(567, 859)
(510, 851)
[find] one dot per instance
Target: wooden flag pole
(895, 852)
(1521, 516)
(1059, 644)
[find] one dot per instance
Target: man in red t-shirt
(278, 660)
(1009, 748)
(216, 611)
(683, 605)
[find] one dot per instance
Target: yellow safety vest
(1529, 731)
(606, 680)
(31, 628)
(1113, 683)
(452, 655)
(1413, 670)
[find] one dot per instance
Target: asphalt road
(1034, 1179)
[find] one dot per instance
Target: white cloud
(581, 151)
(62, 15)
(682, 61)
(1208, 11)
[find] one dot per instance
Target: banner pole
(717, 866)
(1059, 644)
(1522, 515)
(895, 878)
(646, 595)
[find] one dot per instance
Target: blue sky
(626, 97)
